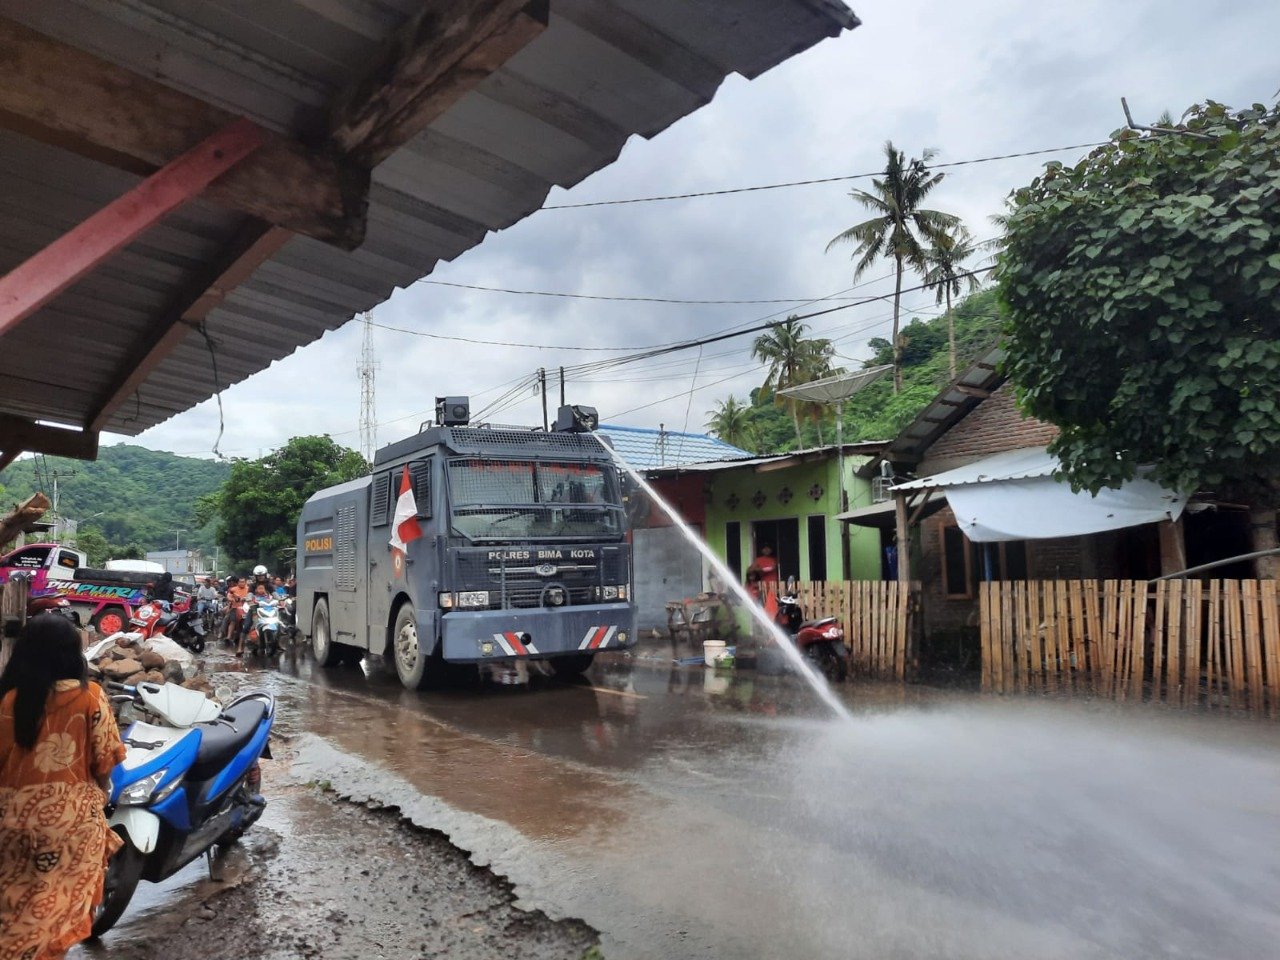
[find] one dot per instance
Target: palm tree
(944, 274)
(896, 230)
(731, 422)
(791, 359)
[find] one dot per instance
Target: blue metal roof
(649, 449)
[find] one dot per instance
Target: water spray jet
(727, 577)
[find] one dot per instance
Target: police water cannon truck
(471, 544)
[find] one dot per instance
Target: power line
(819, 180)
(620, 299)
(501, 343)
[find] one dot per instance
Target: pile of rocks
(132, 660)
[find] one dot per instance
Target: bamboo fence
(877, 615)
(1186, 642)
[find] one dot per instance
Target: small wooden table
(698, 619)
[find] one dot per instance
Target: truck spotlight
(575, 419)
(453, 411)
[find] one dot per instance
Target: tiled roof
(649, 449)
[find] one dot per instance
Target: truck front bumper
(475, 636)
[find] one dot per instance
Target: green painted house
(788, 501)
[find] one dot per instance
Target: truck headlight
(139, 792)
(610, 593)
(473, 598)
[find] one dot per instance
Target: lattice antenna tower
(368, 370)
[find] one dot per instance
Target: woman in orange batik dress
(58, 745)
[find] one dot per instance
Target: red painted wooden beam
(35, 282)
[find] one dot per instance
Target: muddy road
(676, 813)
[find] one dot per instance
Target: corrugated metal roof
(952, 404)
(560, 109)
(1025, 464)
(863, 448)
(648, 449)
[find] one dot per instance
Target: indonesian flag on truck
(404, 528)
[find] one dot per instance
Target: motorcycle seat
(825, 621)
(222, 739)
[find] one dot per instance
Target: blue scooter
(188, 782)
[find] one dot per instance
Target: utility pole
(542, 384)
(367, 368)
(59, 533)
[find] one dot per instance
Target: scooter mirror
(791, 586)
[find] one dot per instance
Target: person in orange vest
(765, 565)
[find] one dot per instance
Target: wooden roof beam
(40, 278)
(18, 434)
(442, 53)
(252, 246)
(61, 95)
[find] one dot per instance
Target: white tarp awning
(1013, 496)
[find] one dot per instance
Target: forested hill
(144, 496)
(875, 413)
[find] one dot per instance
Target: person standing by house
(58, 746)
(766, 566)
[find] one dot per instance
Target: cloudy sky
(971, 80)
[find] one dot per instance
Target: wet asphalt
(678, 812)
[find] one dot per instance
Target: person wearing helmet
(261, 578)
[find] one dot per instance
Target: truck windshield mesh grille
(528, 442)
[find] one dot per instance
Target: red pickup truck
(104, 598)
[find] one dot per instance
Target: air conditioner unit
(880, 489)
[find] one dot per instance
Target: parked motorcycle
(289, 621)
(189, 781)
(153, 619)
(822, 641)
(264, 635)
(187, 628)
(53, 604)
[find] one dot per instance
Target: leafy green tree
(790, 359)
(731, 422)
(1143, 288)
(876, 412)
(256, 510)
(945, 274)
(91, 541)
(133, 494)
(900, 227)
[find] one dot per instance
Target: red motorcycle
(822, 641)
(152, 620)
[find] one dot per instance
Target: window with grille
(344, 548)
(380, 504)
(524, 499)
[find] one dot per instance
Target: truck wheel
(411, 662)
(573, 665)
(328, 653)
(109, 621)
